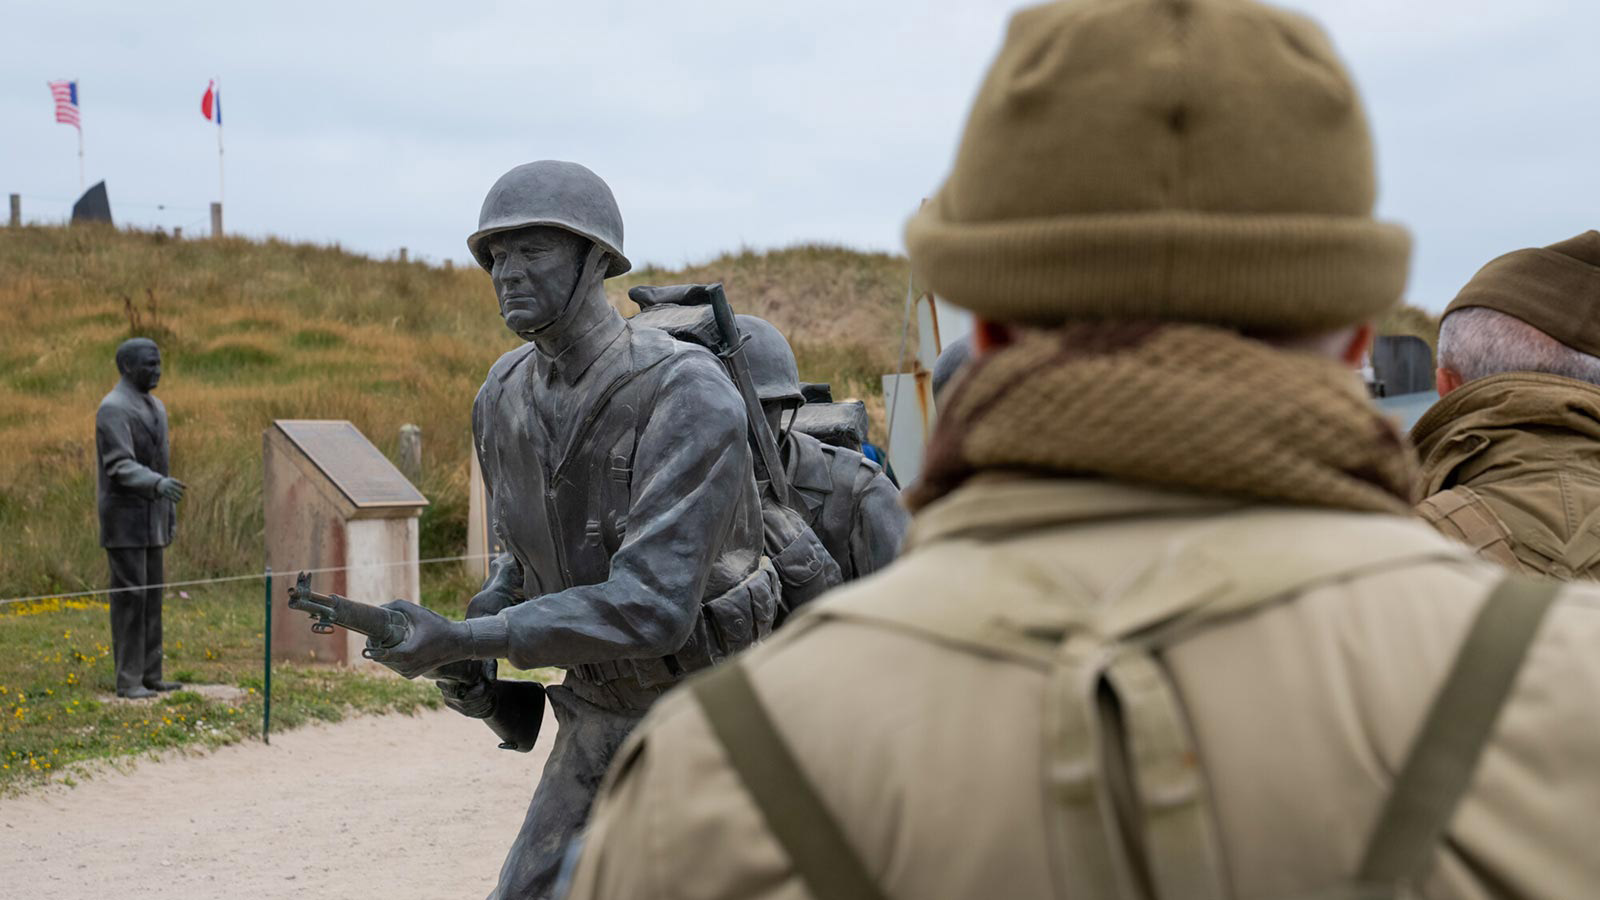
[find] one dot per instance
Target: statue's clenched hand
(474, 699)
(432, 642)
(170, 488)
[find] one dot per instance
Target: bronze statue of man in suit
(138, 514)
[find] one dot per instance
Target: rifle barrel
(386, 627)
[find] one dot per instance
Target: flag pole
(218, 102)
(81, 183)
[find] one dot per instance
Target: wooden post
(16, 210)
(216, 220)
(411, 452)
(449, 265)
(177, 232)
(266, 668)
(403, 254)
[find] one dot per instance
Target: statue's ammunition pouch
(728, 623)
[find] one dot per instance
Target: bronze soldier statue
(619, 479)
(1511, 452)
(138, 499)
(843, 496)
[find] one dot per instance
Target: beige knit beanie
(1185, 160)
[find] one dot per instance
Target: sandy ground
(390, 806)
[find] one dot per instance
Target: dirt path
(393, 806)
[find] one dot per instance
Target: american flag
(66, 95)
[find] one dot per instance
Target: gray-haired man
(1511, 452)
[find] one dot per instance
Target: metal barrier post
(266, 666)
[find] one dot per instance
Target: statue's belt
(728, 623)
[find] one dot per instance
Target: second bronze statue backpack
(700, 314)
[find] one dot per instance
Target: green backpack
(1113, 714)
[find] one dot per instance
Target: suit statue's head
(139, 362)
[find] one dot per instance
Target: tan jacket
(1511, 467)
(932, 757)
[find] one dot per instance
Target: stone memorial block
(334, 501)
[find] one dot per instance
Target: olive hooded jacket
(1511, 466)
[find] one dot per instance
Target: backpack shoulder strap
(1445, 753)
(795, 814)
(1462, 514)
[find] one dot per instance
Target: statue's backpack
(805, 568)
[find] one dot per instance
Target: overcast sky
(717, 123)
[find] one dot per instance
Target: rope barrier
(256, 576)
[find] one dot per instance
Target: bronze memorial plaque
(357, 468)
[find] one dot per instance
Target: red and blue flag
(211, 103)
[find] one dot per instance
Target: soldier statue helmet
(773, 369)
(555, 194)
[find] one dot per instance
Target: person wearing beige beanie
(1164, 625)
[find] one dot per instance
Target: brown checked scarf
(1188, 407)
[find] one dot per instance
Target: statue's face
(534, 271)
(145, 372)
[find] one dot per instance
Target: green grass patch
(41, 382)
(57, 689)
(315, 339)
(226, 359)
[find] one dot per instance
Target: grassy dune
(841, 309)
(253, 332)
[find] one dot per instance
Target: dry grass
(1413, 321)
(841, 309)
(253, 332)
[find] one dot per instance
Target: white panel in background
(909, 411)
